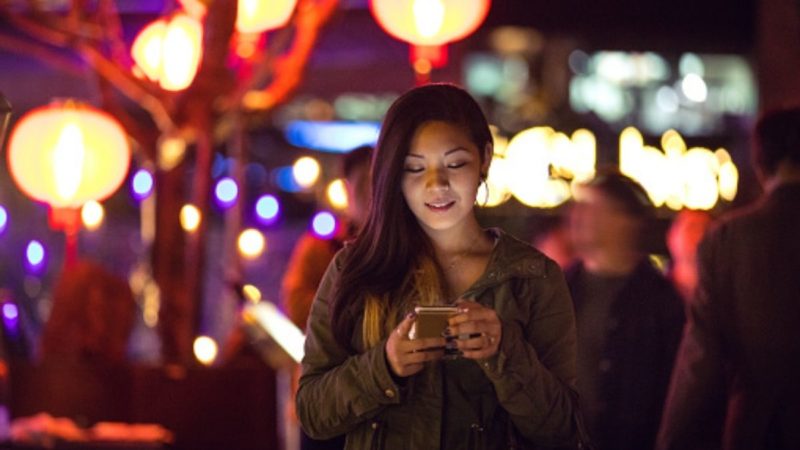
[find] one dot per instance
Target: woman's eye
(456, 165)
(413, 169)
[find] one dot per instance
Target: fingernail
(411, 315)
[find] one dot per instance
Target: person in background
(629, 317)
(683, 237)
(311, 257)
(312, 254)
(742, 340)
(555, 241)
(92, 317)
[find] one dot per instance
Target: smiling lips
(440, 205)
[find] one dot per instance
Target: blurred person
(92, 316)
(629, 317)
(511, 383)
(312, 255)
(742, 339)
(683, 237)
(555, 242)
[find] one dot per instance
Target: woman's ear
(488, 151)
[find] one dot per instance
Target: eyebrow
(452, 150)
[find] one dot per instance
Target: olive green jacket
(523, 397)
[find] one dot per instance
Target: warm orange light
(256, 16)
(429, 22)
(168, 51)
(68, 154)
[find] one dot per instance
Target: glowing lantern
(255, 16)
(428, 25)
(430, 22)
(68, 154)
(168, 51)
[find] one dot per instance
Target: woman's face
(441, 175)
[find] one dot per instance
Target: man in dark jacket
(629, 317)
(742, 339)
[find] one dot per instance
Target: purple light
(10, 311)
(226, 191)
(324, 224)
(142, 184)
(34, 254)
(267, 208)
(3, 219)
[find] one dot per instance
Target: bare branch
(41, 52)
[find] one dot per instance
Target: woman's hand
(481, 322)
(408, 356)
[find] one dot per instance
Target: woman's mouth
(440, 206)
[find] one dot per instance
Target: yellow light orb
(728, 181)
(190, 218)
(252, 293)
(251, 243)
(168, 51)
(306, 171)
(429, 22)
(256, 16)
(92, 215)
(337, 194)
(205, 350)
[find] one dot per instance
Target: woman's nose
(437, 179)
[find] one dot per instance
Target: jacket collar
(511, 258)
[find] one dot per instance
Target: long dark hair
(391, 243)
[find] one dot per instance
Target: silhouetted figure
(742, 338)
(683, 237)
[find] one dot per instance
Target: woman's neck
(460, 239)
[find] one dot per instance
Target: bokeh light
(324, 224)
(35, 255)
(205, 350)
(251, 243)
(3, 219)
(306, 171)
(226, 191)
(10, 311)
(142, 184)
(190, 218)
(251, 293)
(92, 215)
(337, 194)
(267, 208)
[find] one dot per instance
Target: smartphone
(431, 321)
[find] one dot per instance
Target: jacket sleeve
(534, 371)
(339, 390)
(697, 377)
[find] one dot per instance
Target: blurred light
(423, 66)
(690, 63)
(267, 208)
(728, 181)
(578, 62)
(92, 215)
(283, 177)
(226, 191)
(335, 137)
(483, 74)
(190, 218)
(142, 184)
(152, 304)
(494, 191)
(257, 16)
(667, 99)
(429, 22)
(171, 150)
(337, 194)
(35, 254)
(324, 224)
(3, 218)
(205, 350)
(168, 51)
(251, 293)
(251, 243)
(306, 171)
(278, 326)
(10, 311)
(694, 88)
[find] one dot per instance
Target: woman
(513, 384)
